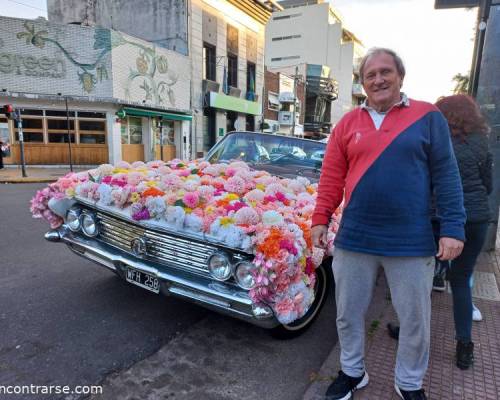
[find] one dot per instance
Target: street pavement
(67, 321)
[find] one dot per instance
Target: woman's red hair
(463, 115)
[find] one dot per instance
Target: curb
(27, 180)
(380, 304)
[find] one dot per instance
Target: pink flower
(235, 184)
(191, 199)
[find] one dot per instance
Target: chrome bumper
(217, 296)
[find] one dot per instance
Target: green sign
(225, 102)
(221, 131)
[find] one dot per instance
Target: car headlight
(244, 274)
(73, 219)
(219, 266)
(89, 225)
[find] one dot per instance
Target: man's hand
(449, 248)
(319, 236)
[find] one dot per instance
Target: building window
(285, 58)
(287, 16)
(231, 119)
(32, 130)
(131, 130)
(232, 70)
(209, 63)
(273, 102)
(278, 38)
(51, 126)
(251, 81)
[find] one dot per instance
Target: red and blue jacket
(386, 178)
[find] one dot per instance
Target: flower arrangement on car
(264, 215)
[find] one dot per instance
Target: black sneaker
(438, 284)
(343, 387)
(393, 330)
(410, 394)
(465, 354)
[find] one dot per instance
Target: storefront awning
(231, 103)
(138, 112)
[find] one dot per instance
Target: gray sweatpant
(410, 282)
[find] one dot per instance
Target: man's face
(381, 81)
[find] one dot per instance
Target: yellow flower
(135, 197)
(232, 196)
(188, 210)
(261, 186)
(120, 171)
(225, 221)
(151, 183)
(302, 261)
(209, 210)
(70, 192)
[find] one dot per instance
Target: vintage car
(188, 263)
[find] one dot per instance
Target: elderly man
(385, 159)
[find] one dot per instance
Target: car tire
(322, 289)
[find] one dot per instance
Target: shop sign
(47, 67)
(225, 102)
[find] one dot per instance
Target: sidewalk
(13, 174)
(444, 381)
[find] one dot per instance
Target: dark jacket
(475, 165)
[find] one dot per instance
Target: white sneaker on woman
(476, 314)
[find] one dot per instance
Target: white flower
(105, 197)
(175, 216)
(193, 222)
(272, 218)
(156, 207)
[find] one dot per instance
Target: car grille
(161, 247)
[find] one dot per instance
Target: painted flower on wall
(88, 81)
(142, 65)
(32, 37)
(162, 64)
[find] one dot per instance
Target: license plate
(143, 279)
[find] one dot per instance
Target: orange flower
(271, 246)
(306, 229)
(153, 192)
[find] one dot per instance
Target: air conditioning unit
(235, 92)
(210, 86)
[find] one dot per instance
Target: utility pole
(160, 127)
(69, 134)
(19, 120)
(482, 21)
(295, 81)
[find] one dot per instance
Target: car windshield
(256, 149)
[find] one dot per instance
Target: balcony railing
(357, 90)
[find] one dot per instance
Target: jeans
(460, 276)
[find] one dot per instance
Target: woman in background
(469, 135)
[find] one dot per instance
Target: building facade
(312, 32)
(127, 98)
(224, 40)
(284, 99)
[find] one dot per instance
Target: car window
(274, 149)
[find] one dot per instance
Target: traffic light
(9, 111)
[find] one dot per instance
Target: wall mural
(150, 67)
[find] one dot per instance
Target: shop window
(60, 124)
(168, 134)
(250, 81)
(232, 70)
(87, 114)
(91, 138)
(34, 137)
(131, 131)
(60, 137)
(230, 121)
(30, 123)
(209, 63)
(99, 126)
(59, 113)
(31, 112)
(32, 130)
